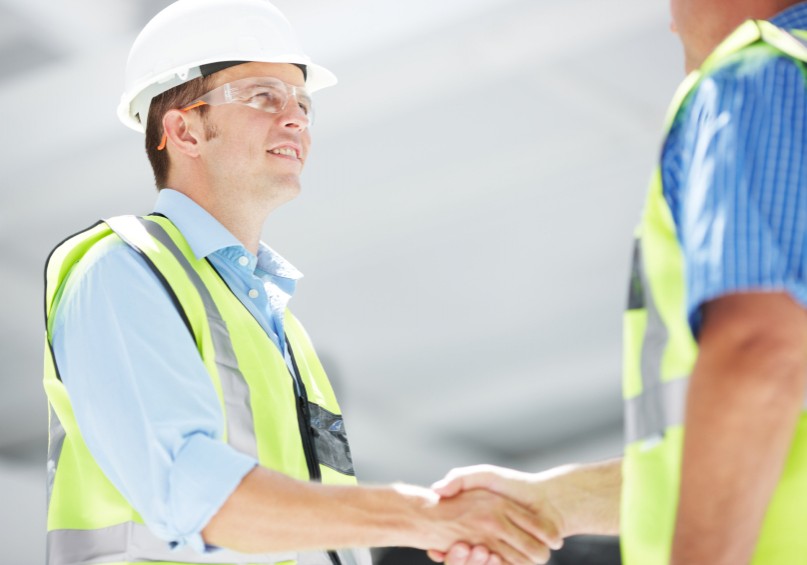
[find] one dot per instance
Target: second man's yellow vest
(660, 353)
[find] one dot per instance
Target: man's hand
(503, 531)
(522, 488)
(566, 501)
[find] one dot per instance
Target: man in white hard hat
(190, 419)
(715, 373)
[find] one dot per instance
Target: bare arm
(270, 512)
(746, 394)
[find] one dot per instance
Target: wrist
(585, 498)
(408, 516)
(557, 495)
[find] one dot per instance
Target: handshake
(486, 515)
(481, 515)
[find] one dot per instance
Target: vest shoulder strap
(62, 258)
(133, 232)
(793, 44)
(754, 31)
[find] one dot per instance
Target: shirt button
(253, 293)
(243, 261)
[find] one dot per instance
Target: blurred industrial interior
(464, 225)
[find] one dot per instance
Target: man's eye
(304, 102)
(264, 97)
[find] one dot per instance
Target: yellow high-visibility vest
(289, 422)
(660, 352)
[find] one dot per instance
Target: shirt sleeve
(743, 205)
(143, 400)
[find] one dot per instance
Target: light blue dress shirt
(734, 168)
(143, 399)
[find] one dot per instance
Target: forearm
(746, 394)
(586, 496)
(270, 512)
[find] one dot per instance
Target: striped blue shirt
(735, 180)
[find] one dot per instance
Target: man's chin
(284, 190)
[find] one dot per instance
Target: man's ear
(180, 129)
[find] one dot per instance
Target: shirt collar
(206, 235)
(794, 17)
(271, 262)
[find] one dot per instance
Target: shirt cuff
(205, 473)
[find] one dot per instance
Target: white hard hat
(188, 34)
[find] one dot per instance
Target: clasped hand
(496, 516)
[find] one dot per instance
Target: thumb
(448, 487)
(465, 478)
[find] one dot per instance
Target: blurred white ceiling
(464, 226)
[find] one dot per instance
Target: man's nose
(294, 116)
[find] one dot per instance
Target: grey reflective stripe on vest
(645, 414)
(56, 436)
(659, 407)
(105, 545)
(240, 426)
(133, 542)
(671, 396)
(330, 439)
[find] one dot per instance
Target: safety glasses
(267, 94)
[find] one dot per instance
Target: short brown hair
(176, 97)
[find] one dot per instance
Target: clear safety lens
(262, 93)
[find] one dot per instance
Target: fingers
(519, 554)
(528, 534)
(480, 555)
(459, 554)
(505, 531)
(533, 514)
(505, 528)
(539, 525)
(463, 554)
(521, 535)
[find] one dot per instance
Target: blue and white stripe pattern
(735, 179)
